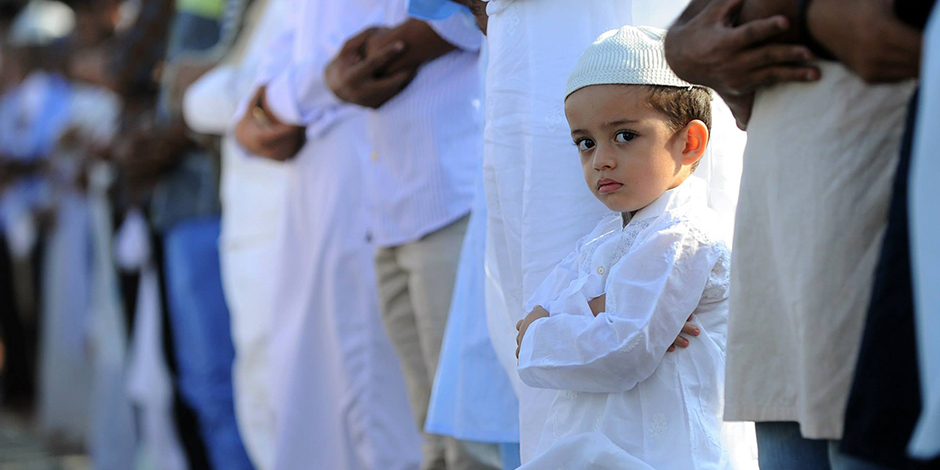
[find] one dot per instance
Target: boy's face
(629, 153)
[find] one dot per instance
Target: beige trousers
(416, 282)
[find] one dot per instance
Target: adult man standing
(421, 178)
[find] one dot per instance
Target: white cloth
(925, 245)
(810, 223)
(112, 442)
(252, 193)
(336, 383)
(536, 196)
(65, 369)
(616, 380)
(149, 383)
(65, 353)
(472, 397)
(426, 140)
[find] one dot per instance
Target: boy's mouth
(607, 185)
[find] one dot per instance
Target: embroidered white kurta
(620, 389)
(537, 202)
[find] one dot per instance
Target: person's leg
(780, 446)
(202, 337)
(398, 316)
(431, 264)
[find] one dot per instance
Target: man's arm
(709, 45)
(867, 37)
(422, 45)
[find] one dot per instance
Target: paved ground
(20, 449)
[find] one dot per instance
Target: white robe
(252, 192)
(335, 380)
(536, 196)
(338, 387)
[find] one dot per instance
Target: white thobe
(337, 385)
(252, 195)
(537, 201)
(619, 388)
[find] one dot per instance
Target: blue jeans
(780, 446)
(202, 337)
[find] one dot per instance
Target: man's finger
(758, 31)
(780, 74)
(355, 44)
(387, 88)
(776, 54)
(377, 61)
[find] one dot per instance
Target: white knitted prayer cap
(632, 55)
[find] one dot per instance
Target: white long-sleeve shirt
(426, 142)
(619, 386)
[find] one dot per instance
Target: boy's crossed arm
(614, 350)
(598, 305)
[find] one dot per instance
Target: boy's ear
(696, 140)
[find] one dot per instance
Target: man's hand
(867, 37)
(355, 77)
(265, 136)
(704, 47)
(423, 45)
(682, 342)
(523, 325)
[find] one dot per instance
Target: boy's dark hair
(682, 105)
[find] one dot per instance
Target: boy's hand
(681, 341)
(598, 305)
(523, 325)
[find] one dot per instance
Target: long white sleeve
(655, 287)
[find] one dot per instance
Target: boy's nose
(604, 160)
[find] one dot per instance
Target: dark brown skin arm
(711, 45)
(864, 35)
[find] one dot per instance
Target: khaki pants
(416, 281)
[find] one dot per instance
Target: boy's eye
(624, 136)
(585, 144)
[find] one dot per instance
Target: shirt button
(374, 156)
(600, 270)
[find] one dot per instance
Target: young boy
(602, 322)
